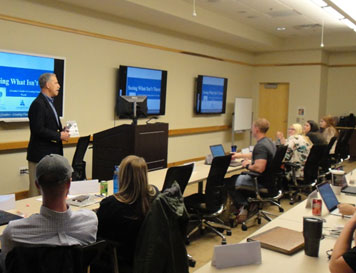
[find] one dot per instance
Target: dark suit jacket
(45, 132)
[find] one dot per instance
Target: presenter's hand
(346, 209)
(65, 135)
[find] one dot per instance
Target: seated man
(56, 224)
(343, 258)
(262, 157)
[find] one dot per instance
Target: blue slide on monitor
(145, 82)
(19, 74)
(212, 95)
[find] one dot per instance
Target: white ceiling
(247, 24)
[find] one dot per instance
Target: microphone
(151, 119)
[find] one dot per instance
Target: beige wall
(341, 91)
(304, 80)
(90, 79)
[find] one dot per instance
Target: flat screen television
(132, 107)
(19, 74)
(210, 95)
(137, 81)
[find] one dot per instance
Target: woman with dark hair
(120, 215)
(311, 130)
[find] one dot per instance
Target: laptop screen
(217, 150)
(328, 196)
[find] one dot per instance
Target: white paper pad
(237, 254)
(84, 187)
(7, 201)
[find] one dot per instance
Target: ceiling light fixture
(347, 6)
(281, 28)
(322, 35)
(320, 3)
(349, 23)
(194, 10)
(343, 10)
(334, 12)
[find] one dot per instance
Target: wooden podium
(149, 141)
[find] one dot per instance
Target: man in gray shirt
(56, 224)
(261, 156)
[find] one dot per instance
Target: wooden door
(273, 105)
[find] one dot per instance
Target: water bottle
(116, 179)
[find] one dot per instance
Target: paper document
(7, 201)
(237, 254)
(84, 187)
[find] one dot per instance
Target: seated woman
(311, 130)
(298, 148)
(120, 215)
(327, 125)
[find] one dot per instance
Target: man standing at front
(46, 128)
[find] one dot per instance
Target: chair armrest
(255, 175)
(252, 174)
(292, 165)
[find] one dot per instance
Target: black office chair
(271, 191)
(54, 259)
(311, 173)
(326, 160)
(206, 208)
(78, 162)
(181, 174)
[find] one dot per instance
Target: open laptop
(330, 199)
(218, 150)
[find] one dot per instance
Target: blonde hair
(329, 120)
(297, 128)
(262, 124)
(133, 183)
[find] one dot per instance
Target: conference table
(28, 206)
(299, 262)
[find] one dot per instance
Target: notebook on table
(6, 217)
(283, 240)
(349, 190)
(330, 199)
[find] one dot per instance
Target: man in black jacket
(46, 128)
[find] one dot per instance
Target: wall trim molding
(20, 145)
(19, 20)
(198, 130)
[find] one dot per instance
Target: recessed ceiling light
(281, 28)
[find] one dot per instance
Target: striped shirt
(51, 228)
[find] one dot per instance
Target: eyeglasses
(292, 129)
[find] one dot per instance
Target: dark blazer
(45, 136)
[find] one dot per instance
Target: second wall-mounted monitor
(211, 95)
(152, 83)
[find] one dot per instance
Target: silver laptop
(218, 150)
(330, 199)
